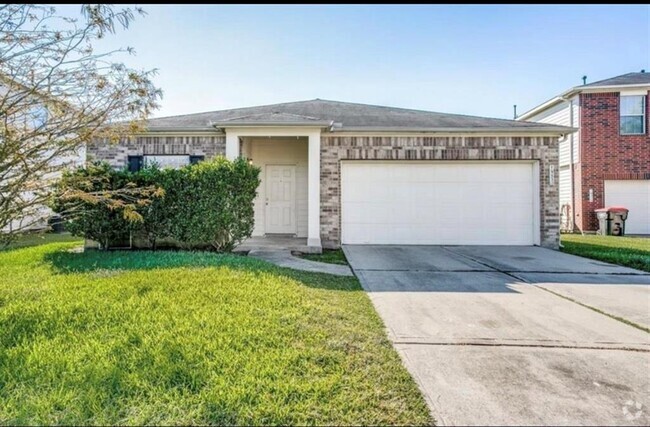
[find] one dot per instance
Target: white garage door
(634, 195)
(437, 203)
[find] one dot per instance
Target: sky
(468, 59)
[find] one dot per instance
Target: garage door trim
(535, 179)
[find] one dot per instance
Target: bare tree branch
(56, 94)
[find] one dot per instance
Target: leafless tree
(56, 94)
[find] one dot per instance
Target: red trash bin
(611, 220)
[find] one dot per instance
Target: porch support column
(313, 191)
(232, 145)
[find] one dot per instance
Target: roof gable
(624, 80)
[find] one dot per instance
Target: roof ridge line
(232, 109)
(274, 112)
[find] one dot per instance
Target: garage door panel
(634, 195)
(470, 217)
(450, 175)
(437, 203)
(360, 194)
(421, 174)
(498, 191)
(367, 213)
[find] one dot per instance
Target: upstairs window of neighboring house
(135, 163)
(633, 115)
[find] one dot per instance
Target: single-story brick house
(343, 173)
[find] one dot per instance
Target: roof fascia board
(542, 130)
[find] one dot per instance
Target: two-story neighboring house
(31, 113)
(607, 161)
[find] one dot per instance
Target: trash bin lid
(618, 209)
(601, 210)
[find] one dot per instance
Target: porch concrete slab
(284, 258)
(408, 258)
(265, 243)
(501, 385)
(479, 307)
(536, 259)
(624, 296)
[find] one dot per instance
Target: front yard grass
(35, 239)
(191, 338)
(631, 252)
(330, 256)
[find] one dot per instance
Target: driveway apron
(515, 335)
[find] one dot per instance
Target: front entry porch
(287, 206)
(281, 205)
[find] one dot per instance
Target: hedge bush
(209, 204)
(77, 200)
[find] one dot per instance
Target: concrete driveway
(515, 335)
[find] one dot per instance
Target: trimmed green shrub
(206, 205)
(211, 203)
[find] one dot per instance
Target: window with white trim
(633, 117)
(163, 161)
(135, 163)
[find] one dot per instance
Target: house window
(164, 161)
(134, 163)
(196, 159)
(633, 115)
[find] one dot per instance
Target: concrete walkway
(283, 258)
(489, 344)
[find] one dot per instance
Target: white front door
(280, 199)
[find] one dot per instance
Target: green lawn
(330, 256)
(191, 338)
(627, 251)
(35, 239)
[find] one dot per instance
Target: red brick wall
(605, 154)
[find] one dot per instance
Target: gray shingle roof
(346, 116)
(273, 117)
(625, 79)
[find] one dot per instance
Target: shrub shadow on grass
(66, 262)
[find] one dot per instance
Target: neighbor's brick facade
(117, 154)
(337, 148)
(605, 154)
